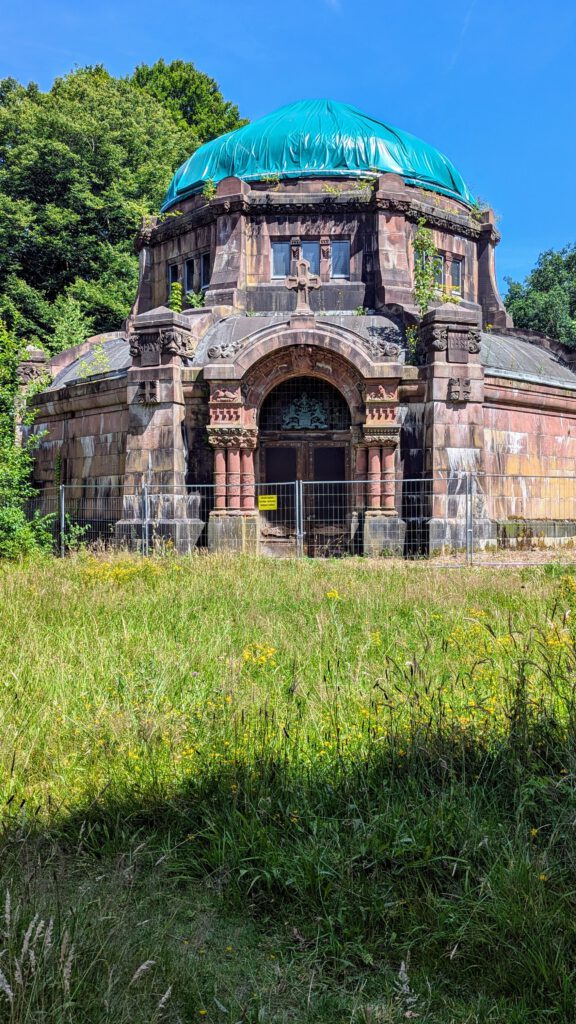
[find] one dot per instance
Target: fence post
(62, 511)
(298, 493)
(146, 520)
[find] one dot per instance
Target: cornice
(262, 204)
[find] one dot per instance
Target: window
(311, 252)
(173, 275)
(456, 276)
(204, 270)
(439, 271)
(340, 259)
(280, 259)
(189, 276)
(448, 274)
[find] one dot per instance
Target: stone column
(388, 479)
(220, 478)
(233, 478)
(361, 474)
(374, 475)
(234, 524)
(247, 479)
(384, 530)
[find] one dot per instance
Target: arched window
(304, 403)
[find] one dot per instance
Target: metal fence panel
(459, 519)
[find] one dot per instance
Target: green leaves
(546, 301)
(17, 534)
(80, 166)
(189, 95)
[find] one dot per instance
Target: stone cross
(303, 281)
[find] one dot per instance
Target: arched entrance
(304, 429)
(304, 435)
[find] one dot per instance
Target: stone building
(297, 234)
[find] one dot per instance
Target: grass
(253, 791)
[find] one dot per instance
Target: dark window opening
(448, 274)
(311, 253)
(280, 259)
(204, 270)
(304, 403)
(340, 259)
(456, 276)
(189, 276)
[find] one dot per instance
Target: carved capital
(173, 342)
(474, 340)
(382, 437)
(150, 346)
(232, 437)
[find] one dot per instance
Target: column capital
(232, 437)
(382, 437)
(450, 334)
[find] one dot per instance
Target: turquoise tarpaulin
(317, 138)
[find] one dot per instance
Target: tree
(79, 167)
(70, 323)
(190, 95)
(18, 533)
(546, 301)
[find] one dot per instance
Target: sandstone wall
(529, 450)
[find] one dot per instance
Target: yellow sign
(267, 502)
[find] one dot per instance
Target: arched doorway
(305, 435)
(304, 432)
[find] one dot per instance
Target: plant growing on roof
(195, 300)
(424, 276)
(97, 363)
(175, 300)
(209, 190)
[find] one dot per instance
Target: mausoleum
(305, 398)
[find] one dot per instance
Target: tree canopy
(80, 165)
(546, 301)
(189, 95)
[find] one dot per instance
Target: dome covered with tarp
(317, 138)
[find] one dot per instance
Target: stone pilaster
(493, 309)
(156, 457)
(393, 273)
(454, 418)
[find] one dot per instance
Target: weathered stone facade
(178, 404)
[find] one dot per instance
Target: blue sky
(490, 83)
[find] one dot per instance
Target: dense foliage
(79, 167)
(189, 95)
(18, 533)
(546, 301)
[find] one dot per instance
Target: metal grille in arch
(304, 403)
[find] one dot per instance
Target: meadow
(254, 792)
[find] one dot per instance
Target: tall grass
(253, 791)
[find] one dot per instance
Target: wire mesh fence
(455, 519)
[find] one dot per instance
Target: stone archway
(238, 390)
